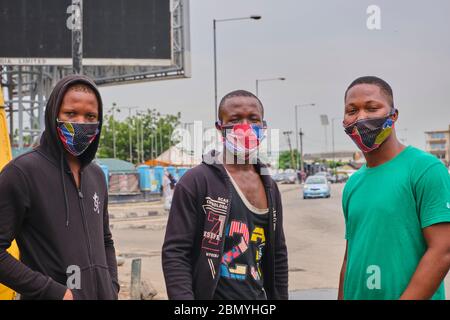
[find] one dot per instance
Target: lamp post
(269, 79)
(129, 131)
(114, 130)
(297, 133)
(215, 21)
(332, 141)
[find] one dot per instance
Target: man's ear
(218, 125)
(395, 115)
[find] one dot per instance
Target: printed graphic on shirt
(215, 214)
(244, 258)
(96, 203)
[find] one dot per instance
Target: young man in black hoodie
(224, 237)
(53, 200)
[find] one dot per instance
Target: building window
(438, 135)
(437, 146)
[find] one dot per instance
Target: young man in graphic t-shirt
(224, 237)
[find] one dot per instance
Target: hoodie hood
(51, 146)
(50, 140)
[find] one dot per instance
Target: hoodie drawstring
(65, 191)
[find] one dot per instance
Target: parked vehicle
(325, 174)
(339, 178)
(278, 177)
(289, 177)
(316, 186)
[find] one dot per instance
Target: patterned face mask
(242, 140)
(76, 137)
(369, 134)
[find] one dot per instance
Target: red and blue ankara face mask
(76, 137)
(242, 139)
(368, 134)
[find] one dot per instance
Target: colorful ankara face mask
(244, 139)
(76, 137)
(368, 134)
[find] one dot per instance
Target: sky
(320, 47)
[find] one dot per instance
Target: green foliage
(285, 159)
(156, 130)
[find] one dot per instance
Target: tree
(284, 160)
(156, 130)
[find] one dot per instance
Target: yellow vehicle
(5, 156)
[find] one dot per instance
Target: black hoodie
(191, 269)
(58, 227)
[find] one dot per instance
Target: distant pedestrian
(169, 183)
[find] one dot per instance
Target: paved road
(314, 231)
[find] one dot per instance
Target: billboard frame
(67, 61)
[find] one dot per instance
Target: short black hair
(238, 93)
(383, 85)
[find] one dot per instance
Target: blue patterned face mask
(76, 137)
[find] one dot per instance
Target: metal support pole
(77, 36)
(296, 137)
(11, 111)
(302, 165)
(19, 93)
(161, 139)
(215, 70)
(138, 135)
(114, 130)
(332, 142)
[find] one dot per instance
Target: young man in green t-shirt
(396, 207)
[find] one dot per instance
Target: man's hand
(68, 295)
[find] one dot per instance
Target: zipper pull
(80, 194)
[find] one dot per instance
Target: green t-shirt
(385, 209)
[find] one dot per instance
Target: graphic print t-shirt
(241, 276)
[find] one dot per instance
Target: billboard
(115, 32)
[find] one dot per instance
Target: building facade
(438, 144)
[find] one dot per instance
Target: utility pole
(288, 135)
(302, 165)
(296, 125)
(129, 131)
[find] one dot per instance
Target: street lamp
(114, 130)
(252, 17)
(113, 117)
(332, 142)
(269, 79)
(324, 121)
(297, 133)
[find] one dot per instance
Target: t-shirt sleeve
(433, 195)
